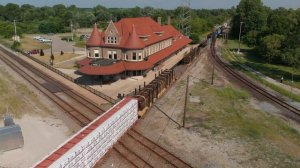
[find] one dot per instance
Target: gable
(111, 30)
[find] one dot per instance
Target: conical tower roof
(95, 38)
(133, 41)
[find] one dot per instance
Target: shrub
(15, 45)
(42, 52)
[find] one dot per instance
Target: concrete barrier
(90, 144)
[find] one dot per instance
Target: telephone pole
(239, 49)
(71, 25)
(15, 28)
(186, 99)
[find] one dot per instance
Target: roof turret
(133, 41)
(95, 39)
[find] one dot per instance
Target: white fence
(97, 138)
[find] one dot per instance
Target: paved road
(59, 45)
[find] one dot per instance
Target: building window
(115, 55)
(126, 56)
(140, 56)
(111, 40)
(110, 55)
(134, 56)
(96, 54)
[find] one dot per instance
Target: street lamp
(239, 49)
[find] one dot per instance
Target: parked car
(38, 37)
(45, 40)
(33, 52)
(84, 37)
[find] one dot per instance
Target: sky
(167, 4)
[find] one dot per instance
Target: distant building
(130, 47)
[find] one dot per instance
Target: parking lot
(58, 45)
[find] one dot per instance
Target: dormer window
(144, 37)
(159, 33)
(111, 40)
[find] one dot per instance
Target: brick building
(130, 47)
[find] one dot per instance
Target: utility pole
(15, 28)
(186, 97)
(15, 37)
(212, 75)
(239, 49)
(292, 83)
(72, 31)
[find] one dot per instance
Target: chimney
(169, 20)
(159, 20)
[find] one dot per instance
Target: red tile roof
(122, 66)
(133, 41)
(130, 29)
(144, 26)
(49, 160)
(95, 38)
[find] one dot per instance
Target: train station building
(130, 47)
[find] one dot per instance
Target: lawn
(252, 59)
(28, 44)
(239, 60)
(57, 58)
(16, 99)
(227, 113)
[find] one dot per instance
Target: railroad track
(250, 83)
(56, 91)
(138, 149)
(66, 98)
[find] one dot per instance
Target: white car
(45, 40)
(38, 37)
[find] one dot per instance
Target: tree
(253, 13)
(195, 38)
(11, 12)
(270, 47)
(53, 25)
(282, 21)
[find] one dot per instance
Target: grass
(16, 97)
(237, 61)
(5, 42)
(251, 59)
(72, 66)
(227, 112)
(57, 58)
(80, 43)
(28, 44)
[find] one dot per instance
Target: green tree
(271, 46)
(282, 21)
(11, 12)
(53, 25)
(254, 15)
(195, 38)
